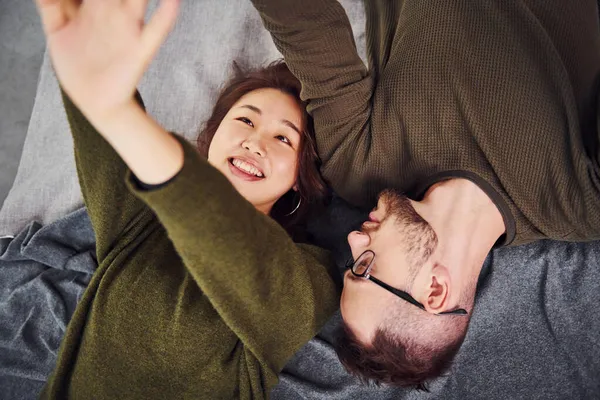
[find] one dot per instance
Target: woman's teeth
(246, 167)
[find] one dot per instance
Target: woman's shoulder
(325, 258)
(322, 255)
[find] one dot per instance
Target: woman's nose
(254, 144)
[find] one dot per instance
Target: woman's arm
(151, 153)
(316, 40)
(274, 294)
(112, 208)
(99, 50)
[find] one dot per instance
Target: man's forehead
(363, 331)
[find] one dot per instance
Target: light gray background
(21, 53)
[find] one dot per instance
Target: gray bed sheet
(44, 271)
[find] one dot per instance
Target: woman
(217, 310)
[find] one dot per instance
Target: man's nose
(359, 242)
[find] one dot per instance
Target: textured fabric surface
(43, 273)
(502, 93)
(178, 267)
(533, 334)
(179, 89)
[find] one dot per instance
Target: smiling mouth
(245, 170)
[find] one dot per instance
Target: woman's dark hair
(311, 186)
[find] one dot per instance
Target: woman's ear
(438, 290)
(295, 187)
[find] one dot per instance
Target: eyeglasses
(362, 268)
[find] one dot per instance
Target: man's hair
(410, 347)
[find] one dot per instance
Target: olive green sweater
(197, 295)
(501, 92)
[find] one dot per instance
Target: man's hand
(101, 48)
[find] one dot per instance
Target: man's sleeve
(316, 40)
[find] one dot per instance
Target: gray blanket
(43, 273)
(534, 333)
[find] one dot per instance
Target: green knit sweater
(501, 92)
(197, 295)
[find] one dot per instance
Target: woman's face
(256, 146)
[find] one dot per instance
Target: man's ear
(437, 293)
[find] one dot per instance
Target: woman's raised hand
(101, 48)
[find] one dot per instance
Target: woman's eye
(283, 139)
(246, 121)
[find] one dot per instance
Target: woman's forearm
(99, 52)
(151, 153)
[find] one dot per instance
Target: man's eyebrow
(284, 121)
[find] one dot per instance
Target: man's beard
(417, 236)
(398, 208)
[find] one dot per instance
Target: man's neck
(465, 220)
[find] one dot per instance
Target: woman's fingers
(53, 15)
(157, 29)
(138, 7)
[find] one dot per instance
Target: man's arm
(316, 40)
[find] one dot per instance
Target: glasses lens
(361, 265)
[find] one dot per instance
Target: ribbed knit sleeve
(316, 40)
(503, 93)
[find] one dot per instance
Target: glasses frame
(352, 264)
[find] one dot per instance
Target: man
(483, 114)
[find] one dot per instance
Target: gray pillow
(179, 90)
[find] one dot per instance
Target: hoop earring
(295, 209)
